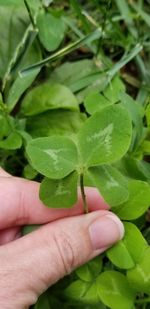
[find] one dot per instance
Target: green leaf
(111, 184)
(147, 114)
(112, 91)
(83, 292)
(14, 3)
(139, 276)
(114, 290)
(4, 126)
(13, 141)
(133, 168)
(29, 172)
(55, 122)
(46, 97)
(126, 253)
(89, 271)
(61, 193)
(136, 112)
(18, 88)
(12, 32)
(95, 101)
(68, 73)
(54, 157)
(138, 203)
(105, 137)
(51, 29)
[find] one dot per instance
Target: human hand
(30, 264)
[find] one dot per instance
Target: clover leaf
(103, 138)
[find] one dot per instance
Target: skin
(67, 239)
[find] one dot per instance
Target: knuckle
(66, 249)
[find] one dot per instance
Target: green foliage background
(70, 68)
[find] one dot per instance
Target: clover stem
(85, 206)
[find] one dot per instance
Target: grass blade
(64, 51)
(125, 59)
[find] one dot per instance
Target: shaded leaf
(29, 172)
(18, 88)
(95, 101)
(61, 193)
(111, 184)
(69, 73)
(48, 96)
(89, 271)
(83, 292)
(138, 203)
(55, 122)
(13, 141)
(51, 29)
(43, 302)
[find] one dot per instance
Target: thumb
(43, 257)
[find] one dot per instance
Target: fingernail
(105, 231)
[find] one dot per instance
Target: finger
(9, 235)
(20, 203)
(41, 258)
(4, 173)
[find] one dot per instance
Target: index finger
(20, 203)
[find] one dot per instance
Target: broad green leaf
(126, 253)
(134, 168)
(55, 122)
(83, 292)
(4, 126)
(18, 88)
(14, 3)
(138, 203)
(111, 184)
(105, 137)
(136, 112)
(51, 29)
(95, 101)
(13, 141)
(12, 31)
(146, 147)
(114, 290)
(48, 96)
(19, 54)
(59, 193)
(54, 157)
(69, 73)
(112, 91)
(29, 172)
(139, 277)
(89, 271)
